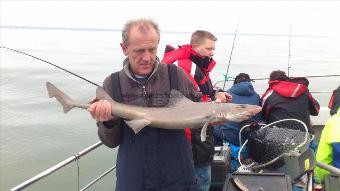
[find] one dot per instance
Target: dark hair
(242, 77)
(334, 102)
(278, 75)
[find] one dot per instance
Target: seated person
(329, 146)
(288, 98)
(243, 93)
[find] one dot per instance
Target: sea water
(36, 134)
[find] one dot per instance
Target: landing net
(268, 145)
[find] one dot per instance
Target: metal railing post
(56, 167)
(98, 178)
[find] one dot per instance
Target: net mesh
(275, 139)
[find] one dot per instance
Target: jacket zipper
(144, 91)
(146, 97)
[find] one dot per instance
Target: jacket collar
(128, 72)
(171, 55)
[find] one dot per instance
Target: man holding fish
(152, 155)
(153, 159)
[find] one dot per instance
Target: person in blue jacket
(242, 92)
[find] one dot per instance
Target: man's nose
(211, 53)
(146, 56)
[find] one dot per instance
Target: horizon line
(170, 32)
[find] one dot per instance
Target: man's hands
(223, 97)
(101, 110)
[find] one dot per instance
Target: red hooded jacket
(197, 69)
(287, 99)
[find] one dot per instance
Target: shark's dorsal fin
(101, 94)
(177, 98)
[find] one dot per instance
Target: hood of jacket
(242, 89)
(287, 89)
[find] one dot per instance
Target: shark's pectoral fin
(204, 129)
(137, 124)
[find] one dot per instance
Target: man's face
(142, 50)
(206, 48)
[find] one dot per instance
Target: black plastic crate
(220, 166)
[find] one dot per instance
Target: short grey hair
(143, 26)
(198, 37)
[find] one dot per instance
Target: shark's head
(237, 112)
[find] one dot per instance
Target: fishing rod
(313, 76)
(231, 53)
(289, 45)
(20, 52)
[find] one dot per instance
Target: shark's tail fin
(62, 98)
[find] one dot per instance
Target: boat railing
(74, 158)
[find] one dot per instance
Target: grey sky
(266, 17)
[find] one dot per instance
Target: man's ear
(124, 49)
(195, 47)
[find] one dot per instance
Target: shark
(179, 113)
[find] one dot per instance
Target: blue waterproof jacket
(243, 93)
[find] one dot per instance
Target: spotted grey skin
(180, 112)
